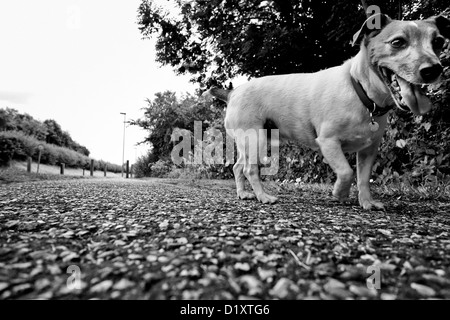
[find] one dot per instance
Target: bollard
(29, 160)
(105, 168)
(92, 167)
(128, 169)
(62, 166)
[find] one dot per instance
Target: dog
(340, 109)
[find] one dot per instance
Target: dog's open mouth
(406, 94)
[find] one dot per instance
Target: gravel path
(174, 239)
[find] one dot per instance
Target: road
(190, 239)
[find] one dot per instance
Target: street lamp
(123, 150)
(40, 147)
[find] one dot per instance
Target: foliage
(160, 168)
(15, 145)
(418, 145)
(302, 164)
(216, 40)
(11, 147)
(142, 166)
(49, 130)
(167, 112)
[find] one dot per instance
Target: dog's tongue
(414, 98)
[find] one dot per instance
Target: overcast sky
(81, 63)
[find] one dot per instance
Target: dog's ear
(443, 24)
(371, 27)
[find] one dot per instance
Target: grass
(18, 145)
(17, 172)
(424, 191)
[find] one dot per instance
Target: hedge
(15, 145)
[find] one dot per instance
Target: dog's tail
(218, 93)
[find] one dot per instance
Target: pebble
(423, 290)
(282, 288)
(363, 291)
(102, 286)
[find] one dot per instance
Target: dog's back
(297, 104)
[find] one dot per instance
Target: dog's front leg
(332, 152)
(365, 160)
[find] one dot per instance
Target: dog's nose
(430, 73)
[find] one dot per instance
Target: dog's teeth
(393, 77)
(395, 86)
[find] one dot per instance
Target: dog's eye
(438, 43)
(398, 43)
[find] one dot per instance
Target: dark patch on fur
(269, 125)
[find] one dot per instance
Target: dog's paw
(245, 195)
(343, 200)
(342, 195)
(267, 199)
(371, 205)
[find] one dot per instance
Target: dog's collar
(374, 109)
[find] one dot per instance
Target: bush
(160, 168)
(10, 147)
(142, 166)
(15, 145)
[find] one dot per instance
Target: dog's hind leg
(332, 151)
(239, 177)
(249, 143)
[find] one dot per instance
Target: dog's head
(405, 55)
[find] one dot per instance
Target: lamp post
(40, 147)
(123, 150)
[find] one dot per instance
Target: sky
(82, 63)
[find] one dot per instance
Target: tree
(28, 125)
(81, 149)
(12, 120)
(55, 132)
(8, 118)
(219, 39)
(49, 130)
(56, 136)
(167, 112)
